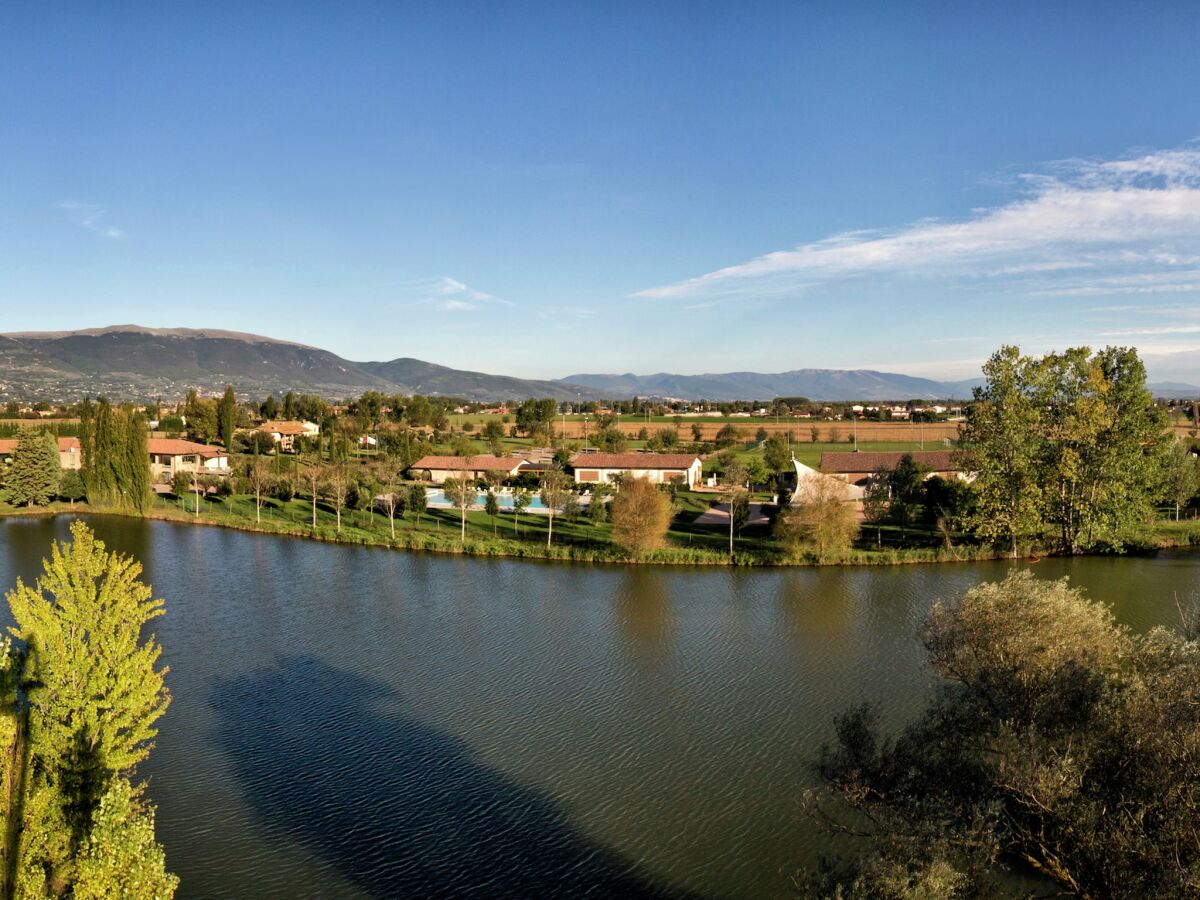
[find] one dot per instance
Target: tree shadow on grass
(401, 809)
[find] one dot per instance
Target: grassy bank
(438, 531)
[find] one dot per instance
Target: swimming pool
(437, 497)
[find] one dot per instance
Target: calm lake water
(354, 722)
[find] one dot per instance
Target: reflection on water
(352, 722)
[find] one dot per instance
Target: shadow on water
(399, 808)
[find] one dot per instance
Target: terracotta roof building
(856, 468)
(171, 455)
(661, 468)
(68, 452)
(438, 468)
(284, 432)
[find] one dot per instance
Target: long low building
(167, 456)
(68, 452)
(438, 468)
(661, 468)
(857, 468)
(170, 455)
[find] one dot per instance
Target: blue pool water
(437, 496)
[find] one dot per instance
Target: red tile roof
(633, 460)
(293, 428)
(934, 460)
(65, 444)
(483, 462)
(176, 447)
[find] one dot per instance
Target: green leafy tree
(418, 500)
(597, 510)
(33, 477)
(122, 857)
(728, 436)
(134, 479)
(1003, 447)
(521, 499)
(71, 486)
(491, 506)
(1181, 475)
(94, 695)
(1071, 440)
(181, 483)
(202, 420)
(777, 456)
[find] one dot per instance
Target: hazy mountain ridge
(414, 376)
(816, 384)
(128, 361)
(131, 362)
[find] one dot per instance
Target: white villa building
(660, 468)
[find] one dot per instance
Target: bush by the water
(1057, 741)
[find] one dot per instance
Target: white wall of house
(592, 475)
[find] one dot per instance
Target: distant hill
(412, 376)
(131, 362)
(816, 384)
(128, 361)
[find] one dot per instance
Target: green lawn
(443, 525)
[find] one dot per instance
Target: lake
(353, 722)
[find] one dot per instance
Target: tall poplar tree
(227, 416)
(136, 480)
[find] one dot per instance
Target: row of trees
(115, 455)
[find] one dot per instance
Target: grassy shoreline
(439, 533)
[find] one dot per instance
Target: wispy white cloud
(446, 294)
(91, 216)
(1129, 216)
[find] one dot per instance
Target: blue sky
(542, 189)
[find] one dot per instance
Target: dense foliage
(1071, 441)
(1056, 741)
(33, 478)
(116, 457)
(93, 696)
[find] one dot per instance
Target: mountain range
(128, 361)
